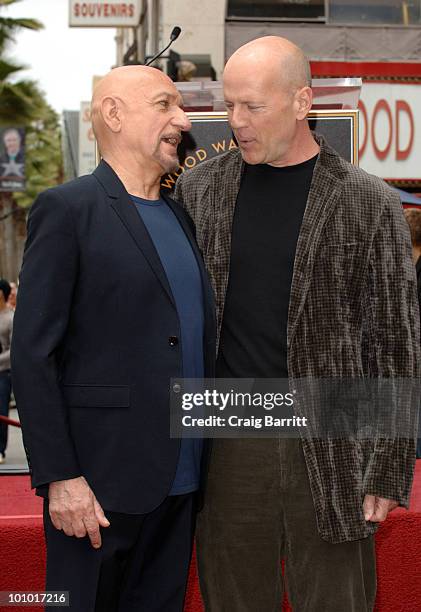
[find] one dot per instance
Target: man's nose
(236, 117)
(182, 121)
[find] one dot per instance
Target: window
(299, 10)
(380, 12)
(376, 12)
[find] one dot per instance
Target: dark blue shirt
(182, 271)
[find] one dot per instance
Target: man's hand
(376, 509)
(74, 509)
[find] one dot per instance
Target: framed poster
(12, 159)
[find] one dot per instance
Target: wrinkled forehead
(250, 84)
(133, 86)
(151, 87)
(163, 91)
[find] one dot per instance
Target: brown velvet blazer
(353, 313)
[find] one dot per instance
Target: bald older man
(312, 271)
(113, 302)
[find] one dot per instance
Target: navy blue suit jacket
(93, 348)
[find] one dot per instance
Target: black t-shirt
(267, 220)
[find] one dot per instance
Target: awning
(408, 198)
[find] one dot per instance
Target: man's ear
(111, 113)
(303, 102)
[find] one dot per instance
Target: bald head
(277, 57)
(121, 80)
(124, 85)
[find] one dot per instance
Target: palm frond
(15, 23)
(6, 2)
(8, 68)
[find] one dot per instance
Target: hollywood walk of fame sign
(12, 159)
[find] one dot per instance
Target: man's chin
(250, 158)
(169, 164)
(173, 167)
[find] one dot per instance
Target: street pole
(119, 39)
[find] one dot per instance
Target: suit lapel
(324, 192)
(132, 221)
(125, 209)
(225, 185)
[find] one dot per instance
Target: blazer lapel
(131, 219)
(324, 192)
(125, 209)
(225, 185)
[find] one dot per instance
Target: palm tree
(9, 26)
(23, 104)
(16, 103)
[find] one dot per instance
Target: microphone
(176, 31)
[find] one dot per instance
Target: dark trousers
(258, 510)
(142, 565)
(5, 392)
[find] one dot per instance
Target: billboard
(105, 13)
(12, 159)
(86, 156)
(390, 120)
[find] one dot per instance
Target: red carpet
(398, 546)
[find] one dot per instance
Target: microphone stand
(174, 35)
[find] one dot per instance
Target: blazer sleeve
(47, 284)
(393, 340)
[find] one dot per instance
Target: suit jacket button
(173, 340)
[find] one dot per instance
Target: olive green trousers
(259, 510)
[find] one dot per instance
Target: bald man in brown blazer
(310, 260)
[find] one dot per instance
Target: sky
(60, 59)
